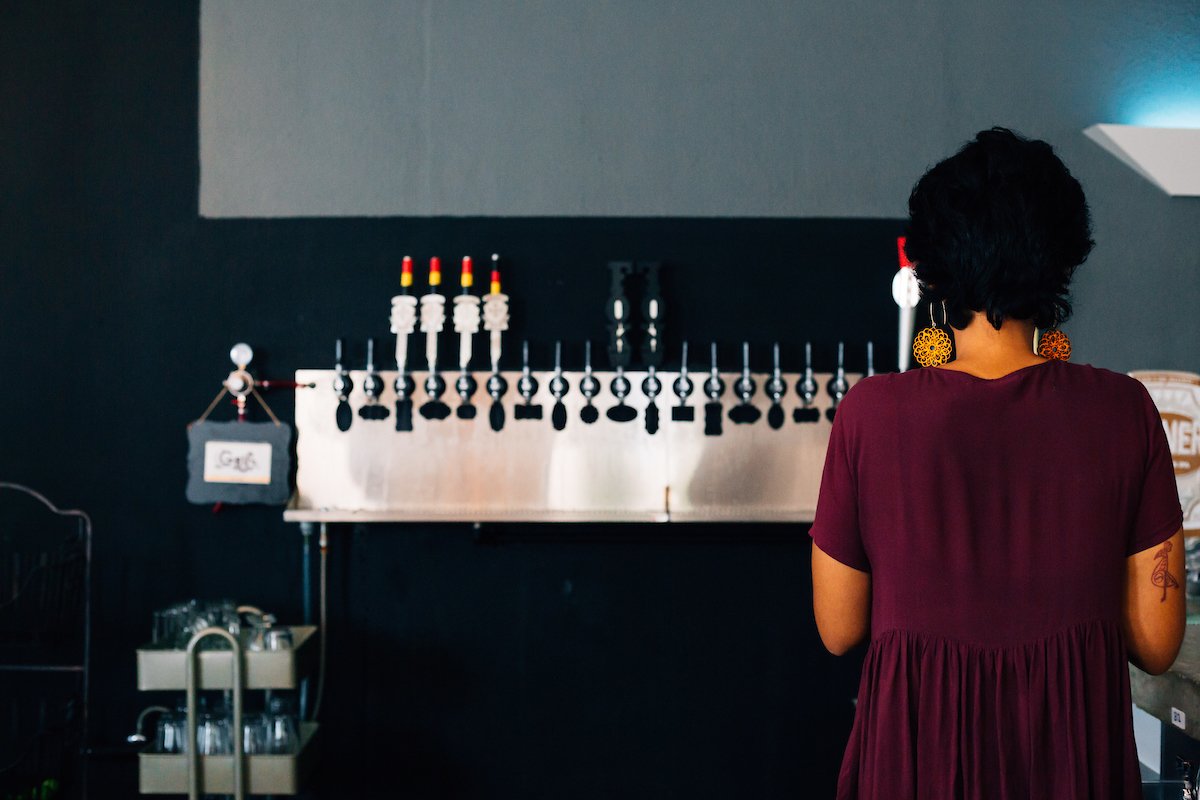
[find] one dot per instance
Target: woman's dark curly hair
(999, 227)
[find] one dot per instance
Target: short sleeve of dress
(835, 527)
(1158, 514)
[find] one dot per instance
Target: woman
(1004, 528)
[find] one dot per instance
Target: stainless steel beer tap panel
(457, 469)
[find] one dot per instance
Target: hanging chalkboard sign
(239, 462)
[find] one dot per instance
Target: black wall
(514, 661)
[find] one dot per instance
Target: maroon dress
(995, 518)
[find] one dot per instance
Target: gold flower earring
(1053, 344)
(932, 345)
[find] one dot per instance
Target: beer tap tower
(589, 387)
(906, 291)
(404, 322)
(466, 325)
(558, 389)
(433, 320)
(683, 388)
(618, 347)
(744, 413)
(714, 387)
(598, 468)
(652, 345)
(527, 387)
(807, 389)
(495, 322)
(776, 388)
(343, 385)
(838, 385)
(372, 409)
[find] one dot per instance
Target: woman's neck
(987, 352)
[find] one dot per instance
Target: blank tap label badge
(237, 462)
(1177, 396)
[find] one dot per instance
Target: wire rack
(45, 621)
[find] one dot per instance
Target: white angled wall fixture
(1167, 157)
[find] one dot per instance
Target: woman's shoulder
(886, 389)
(870, 392)
(1117, 385)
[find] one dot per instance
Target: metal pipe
(323, 543)
(239, 755)
(139, 734)
(306, 532)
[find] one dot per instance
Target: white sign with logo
(1177, 396)
(237, 462)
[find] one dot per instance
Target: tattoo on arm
(1161, 576)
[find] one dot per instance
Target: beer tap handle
(372, 389)
(404, 314)
(343, 385)
(465, 385)
(620, 388)
(906, 291)
(807, 389)
(403, 323)
(466, 324)
(776, 388)
(744, 413)
(651, 387)
(372, 384)
(619, 355)
(497, 386)
(527, 387)
(495, 313)
(870, 359)
(433, 314)
(495, 322)
(683, 388)
(714, 387)
(745, 385)
(618, 313)
(652, 308)
(433, 320)
(838, 386)
(588, 387)
(558, 389)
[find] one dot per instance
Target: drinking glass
(255, 733)
(283, 736)
(171, 736)
(213, 735)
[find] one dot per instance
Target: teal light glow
(1164, 91)
(1178, 108)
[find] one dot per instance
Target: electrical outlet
(1178, 718)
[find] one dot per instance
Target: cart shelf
(167, 773)
(166, 670)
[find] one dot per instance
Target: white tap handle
(906, 291)
(466, 323)
(433, 319)
(495, 321)
(495, 312)
(907, 316)
(404, 321)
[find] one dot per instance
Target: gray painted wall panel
(365, 107)
(705, 108)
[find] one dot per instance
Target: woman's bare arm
(841, 602)
(1155, 610)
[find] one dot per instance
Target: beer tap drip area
(744, 439)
